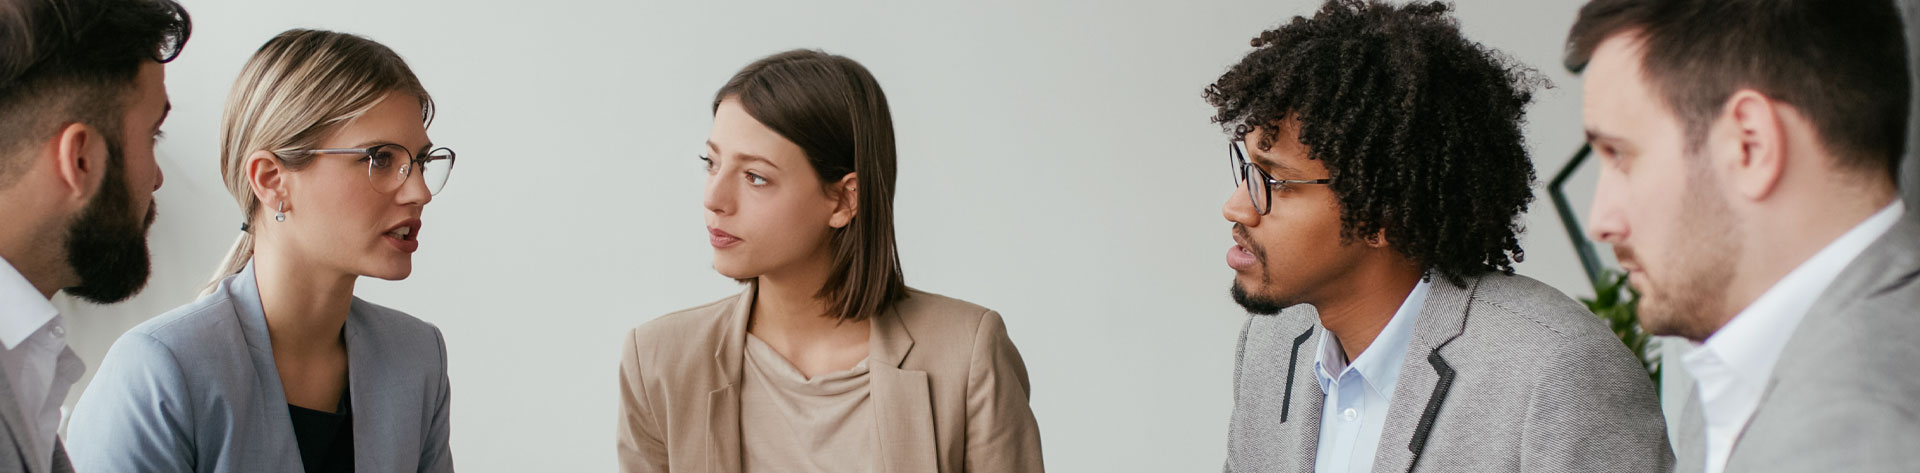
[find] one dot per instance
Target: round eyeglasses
(1244, 173)
(389, 165)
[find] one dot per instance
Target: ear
(1755, 144)
(80, 160)
(267, 177)
(846, 197)
(1378, 240)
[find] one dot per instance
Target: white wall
(1057, 164)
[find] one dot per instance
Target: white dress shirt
(38, 364)
(1732, 366)
(1355, 410)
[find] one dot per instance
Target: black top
(326, 438)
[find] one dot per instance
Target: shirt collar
(1379, 366)
(23, 310)
(1750, 343)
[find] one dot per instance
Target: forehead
(737, 132)
(1615, 87)
(150, 87)
(395, 119)
(1287, 157)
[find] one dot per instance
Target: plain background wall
(1056, 164)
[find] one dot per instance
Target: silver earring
(281, 216)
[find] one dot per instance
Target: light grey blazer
(13, 453)
(1505, 374)
(195, 390)
(1845, 395)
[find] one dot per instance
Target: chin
(392, 272)
(734, 269)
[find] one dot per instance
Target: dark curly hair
(1419, 128)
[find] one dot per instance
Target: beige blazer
(949, 389)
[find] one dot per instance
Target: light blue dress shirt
(1355, 410)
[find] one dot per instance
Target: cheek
(340, 208)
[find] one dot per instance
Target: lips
(1240, 257)
(720, 239)
(404, 236)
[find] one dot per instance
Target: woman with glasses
(278, 367)
(826, 361)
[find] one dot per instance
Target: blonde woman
(827, 362)
(278, 367)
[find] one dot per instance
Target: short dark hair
(1842, 63)
(68, 61)
(1419, 128)
(834, 110)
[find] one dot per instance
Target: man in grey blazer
(82, 95)
(1750, 150)
(1381, 174)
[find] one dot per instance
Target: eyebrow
(168, 110)
(1596, 136)
(373, 143)
(1271, 166)
(743, 156)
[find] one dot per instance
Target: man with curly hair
(1381, 177)
(1749, 151)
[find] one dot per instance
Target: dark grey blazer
(1505, 374)
(11, 422)
(196, 390)
(1845, 395)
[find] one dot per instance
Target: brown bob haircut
(834, 110)
(1842, 63)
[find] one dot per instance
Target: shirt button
(59, 331)
(1350, 414)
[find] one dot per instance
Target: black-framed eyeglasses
(389, 165)
(1244, 172)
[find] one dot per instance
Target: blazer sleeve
(136, 415)
(1002, 434)
(436, 456)
(641, 447)
(1594, 404)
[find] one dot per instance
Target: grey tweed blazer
(14, 458)
(1504, 374)
(1845, 395)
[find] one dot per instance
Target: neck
(788, 308)
(1358, 311)
(306, 309)
(34, 245)
(1785, 233)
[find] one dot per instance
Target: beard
(1254, 303)
(107, 242)
(1689, 300)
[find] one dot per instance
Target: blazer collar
(732, 345)
(243, 293)
(1425, 375)
(902, 400)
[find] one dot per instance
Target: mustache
(1623, 254)
(1246, 241)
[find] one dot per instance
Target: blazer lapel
(15, 425)
(272, 409)
(1690, 449)
(1890, 262)
(723, 404)
(1425, 377)
(903, 404)
(1303, 391)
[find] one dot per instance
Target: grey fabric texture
(14, 459)
(1537, 384)
(1845, 395)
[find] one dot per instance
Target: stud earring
(281, 215)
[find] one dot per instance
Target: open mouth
(402, 233)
